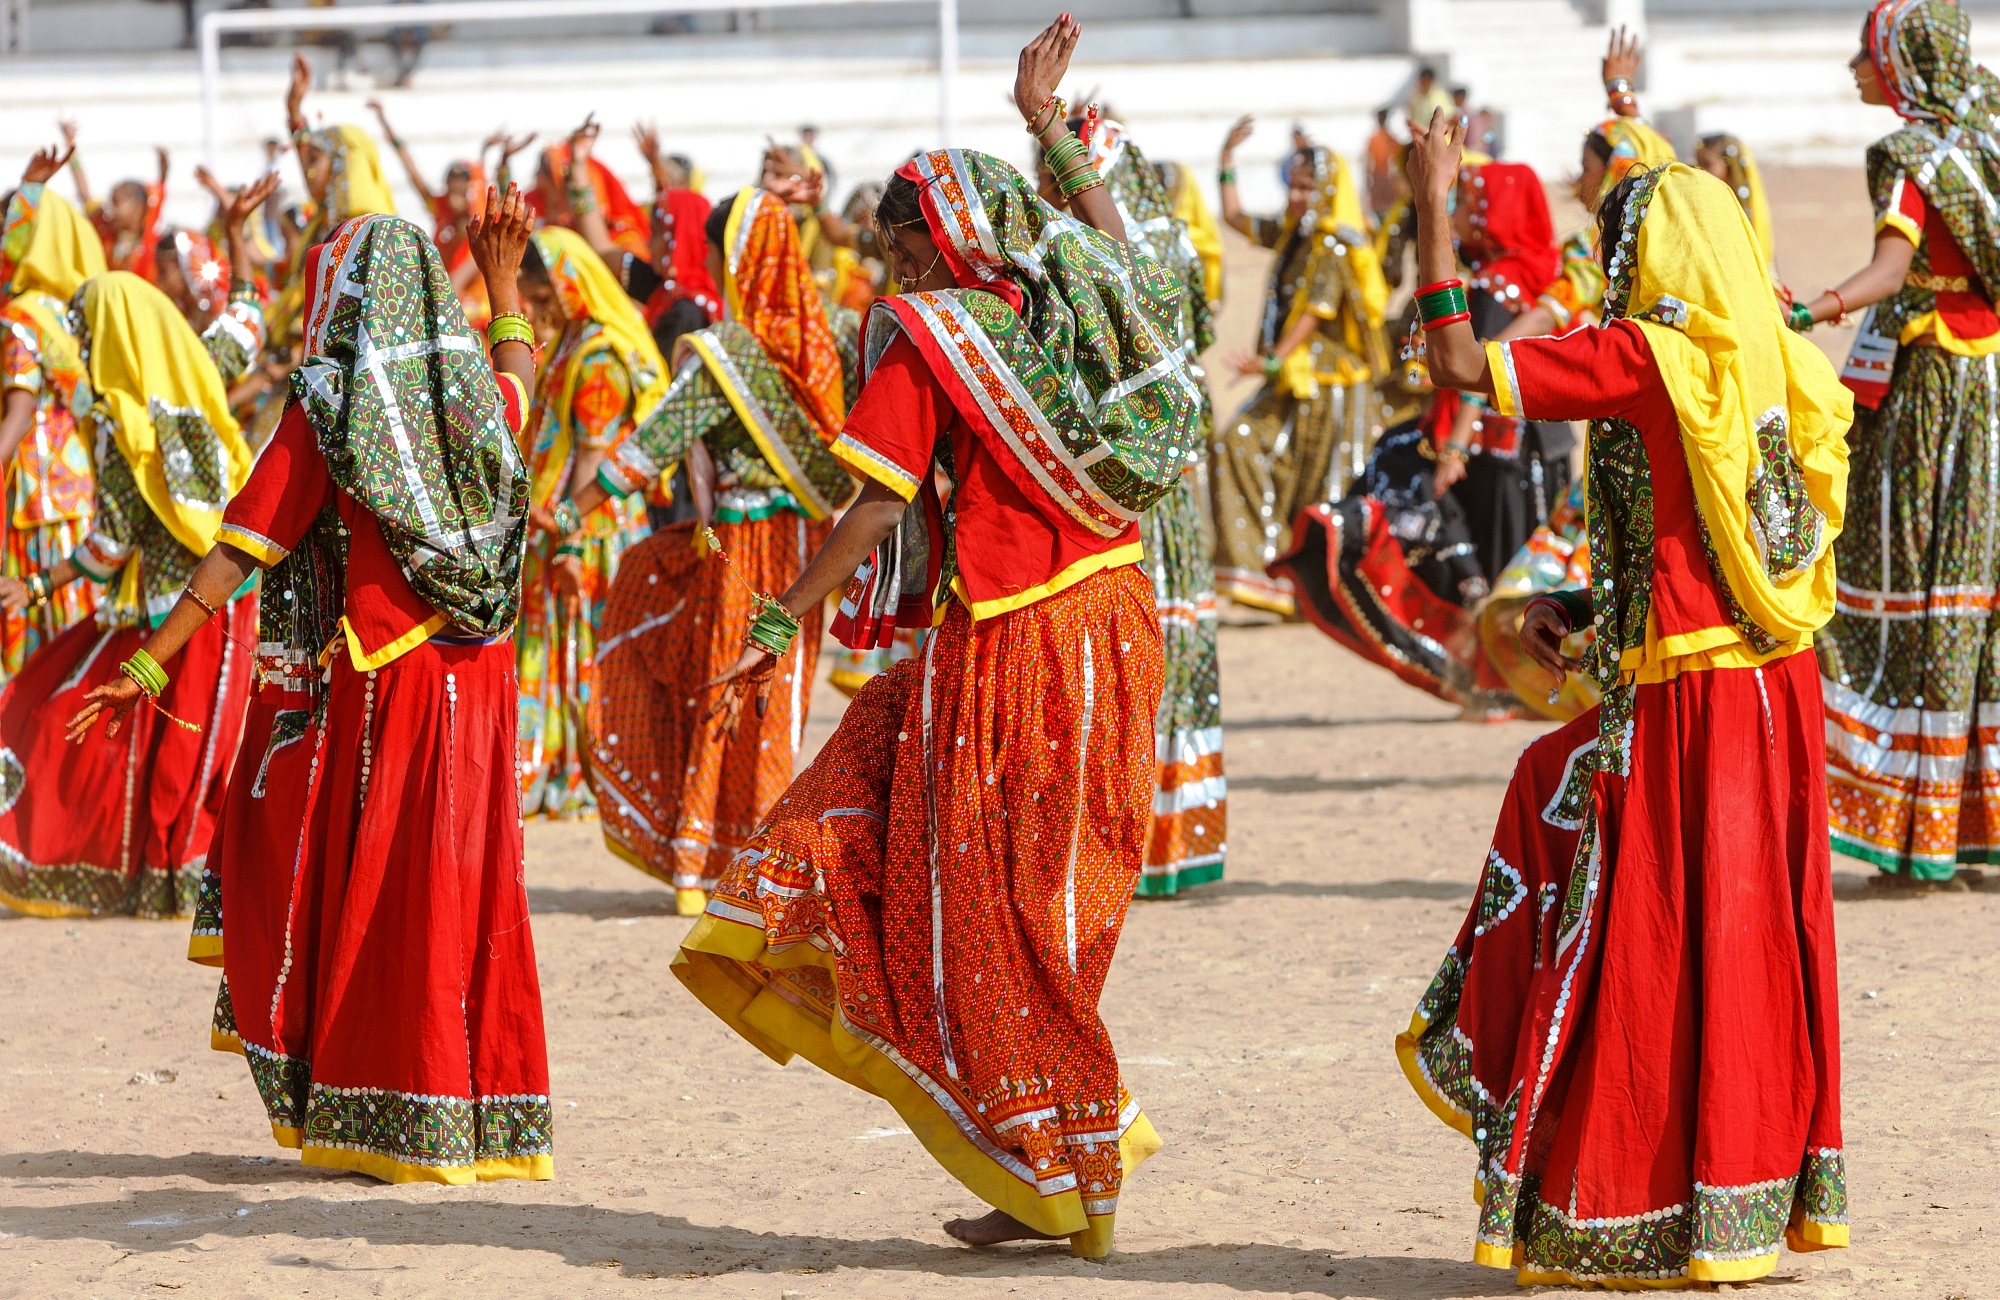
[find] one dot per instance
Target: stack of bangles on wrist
(1443, 304)
(1800, 318)
(509, 327)
(1619, 91)
(145, 672)
(582, 199)
(40, 588)
(568, 518)
(1069, 159)
(773, 629)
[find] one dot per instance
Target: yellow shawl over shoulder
(1763, 418)
(146, 362)
(63, 251)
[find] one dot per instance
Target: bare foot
(994, 1228)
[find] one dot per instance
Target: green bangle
(568, 518)
(582, 199)
(1272, 365)
(1800, 318)
(40, 588)
(773, 629)
(509, 327)
(1226, 176)
(145, 673)
(1440, 303)
(1064, 152)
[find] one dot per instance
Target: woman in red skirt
(929, 913)
(372, 919)
(1638, 1024)
(120, 825)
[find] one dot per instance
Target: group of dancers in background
(335, 548)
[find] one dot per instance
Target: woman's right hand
(752, 671)
(1436, 152)
(498, 236)
(13, 595)
(44, 164)
(295, 94)
(1244, 128)
(113, 702)
(1043, 62)
(1543, 628)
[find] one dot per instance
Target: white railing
(454, 12)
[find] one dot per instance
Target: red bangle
(1453, 283)
(1842, 318)
(1443, 321)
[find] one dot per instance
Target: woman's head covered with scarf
(404, 405)
(1763, 418)
(1509, 240)
(58, 250)
(1922, 54)
(562, 269)
(166, 403)
(769, 289)
(1090, 338)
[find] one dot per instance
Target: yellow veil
(357, 187)
(1203, 233)
(1633, 144)
(1338, 207)
(587, 290)
(147, 365)
(1763, 418)
(63, 251)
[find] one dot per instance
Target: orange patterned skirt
(676, 800)
(932, 908)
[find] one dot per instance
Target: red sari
(1638, 1022)
(367, 903)
(931, 910)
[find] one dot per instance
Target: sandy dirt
(1254, 1020)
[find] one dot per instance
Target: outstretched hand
(498, 234)
(582, 141)
(1434, 158)
(1621, 56)
(1243, 129)
(1043, 62)
(295, 94)
(511, 145)
(44, 164)
(786, 178)
(752, 671)
(647, 136)
(238, 206)
(113, 702)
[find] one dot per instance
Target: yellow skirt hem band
(708, 965)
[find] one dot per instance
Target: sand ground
(1253, 1018)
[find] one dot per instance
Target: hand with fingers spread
(511, 145)
(1243, 129)
(752, 672)
(1621, 66)
(45, 164)
(112, 702)
(238, 206)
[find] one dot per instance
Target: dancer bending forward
(930, 911)
(1638, 1023)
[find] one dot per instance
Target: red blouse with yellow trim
(1004, 548)
(383, 616)
(1608, 373)
(1963, 321)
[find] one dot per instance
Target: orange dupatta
(769, 290)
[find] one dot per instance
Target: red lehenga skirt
(1638, 1024)
(931, 909)
(369, 912)
(677, 799)
(118, 825)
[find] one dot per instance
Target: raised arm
(236, 210)
(1233, 214)
(75, 165)
(1455, 358)
(498, 237)
(590, 221)
(1620, 67)
(403, 155)
(1040, 70)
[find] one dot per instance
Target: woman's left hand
(753, 670)
(566, 571)
(1247, 364)
(1043, 62)
(113, 701)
